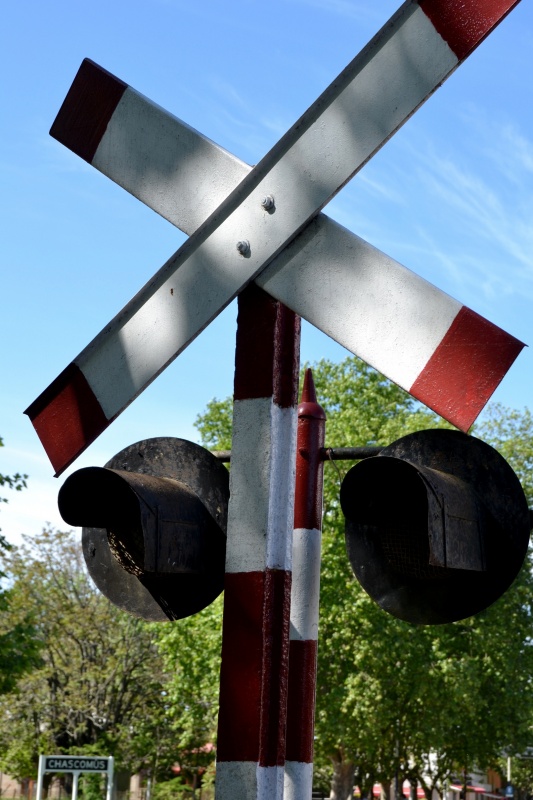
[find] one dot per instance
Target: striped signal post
(412, 55)
(305, 594)
(255, 640)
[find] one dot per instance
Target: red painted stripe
(267, 350)
(287, 357)
(301, 705)
(463, 24)
(254, 670)
(308, 489)
(276, 628)
(466, 368)
(89, 105)
(67, 417)
(240, 674)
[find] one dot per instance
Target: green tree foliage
(191, 652)
(367, 671)
(99, 672)
(18, 650)
(393, 698)
(510, 432)
(521, 773)
(215, 424)
(15, 482)
(191, 649)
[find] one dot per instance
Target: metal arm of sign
(328, 275)
(407, 60)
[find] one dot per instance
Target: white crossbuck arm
(444, 354)
(377, 309)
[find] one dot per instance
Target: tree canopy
(14, 482)
(17, 646)
(98, 673)
(393, 698)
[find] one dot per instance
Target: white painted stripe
(166, 164)
(376, 308)
(262, 468)
(246, 780)
(184, 176)
(305, 590)
(284, 422)
(249, 478)
(401, 318)
(269, 783)
(336, 136)
(298, 780)
(236, 779)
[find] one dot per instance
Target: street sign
(77, 765)
(405, 62)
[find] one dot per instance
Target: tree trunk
(342, 780)
(386, 790)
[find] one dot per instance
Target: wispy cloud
(246, 129)
(487, 209)
(277, 124)
(470, 207)
(381, 188)
(501, 142)
(228, 93)
(343, 8)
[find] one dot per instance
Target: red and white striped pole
(255, 639)
(305, 594)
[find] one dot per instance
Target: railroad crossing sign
(264, 224)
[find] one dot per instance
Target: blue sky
(450, 196)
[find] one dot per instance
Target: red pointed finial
(308, 404)
(309, 391)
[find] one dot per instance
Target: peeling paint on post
(255, 646)
(305, 594)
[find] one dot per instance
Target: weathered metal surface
(326, 453)
(155, 519)
(305, 594)
(350, 277)
(349, 453)
(257, 596)
(437, 526)
(371, 98)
